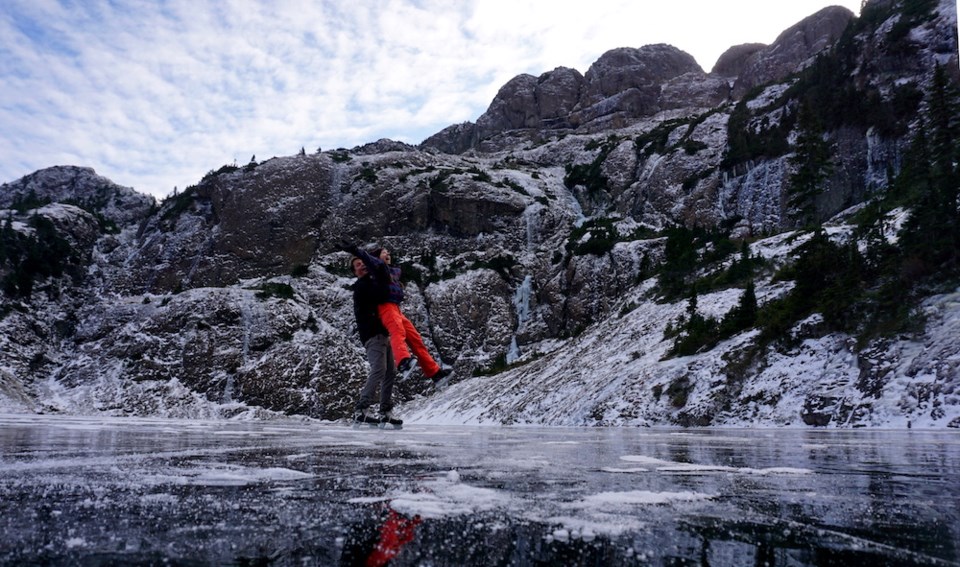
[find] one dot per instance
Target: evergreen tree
(680, 257)
(7, 239)
(812, 166)
(743, 316)
(696, 332)
(931, 237)
(747, 309)
(945, 126)
(840, 298)
(692, 303)
(913, 180)
(740, 269)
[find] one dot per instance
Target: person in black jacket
(368, 293)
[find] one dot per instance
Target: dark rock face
(80, 228)
(80, 186)
(558, 93)
(469, 214)
(382, 146)
(236, 225)
(454, 139)
(793, 48)
(694, 90)
(734, 60)
(267, 221)
(224, 345)
(514, 108)
(533, 102)
(471, 313)
(626, 84)
(622, 85)
(644, 70)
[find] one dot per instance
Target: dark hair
(375, 252)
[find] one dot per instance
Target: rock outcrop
(734, 60)
(793, 49)
(627, 84)
(80, 186)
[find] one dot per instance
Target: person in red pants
(395, 533)
(378, 539)
(404, 336)
(367, 295)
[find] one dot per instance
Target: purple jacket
(385, 275)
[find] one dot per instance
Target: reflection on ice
(79, 490)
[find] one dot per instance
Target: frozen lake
(142, 491)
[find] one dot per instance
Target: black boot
(365, 416)
(441, 379)
(387, 418)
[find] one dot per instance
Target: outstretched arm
(375, 265)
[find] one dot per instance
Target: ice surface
(114, 490)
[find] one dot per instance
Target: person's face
(385, 255)
(359, 268)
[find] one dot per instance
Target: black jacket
(367, 294)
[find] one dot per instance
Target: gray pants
(383, 372)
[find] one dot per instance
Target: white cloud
(154, 95)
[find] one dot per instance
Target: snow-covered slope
(617, 373)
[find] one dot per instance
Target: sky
(153, 94)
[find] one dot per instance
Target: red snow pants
(403, 333)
